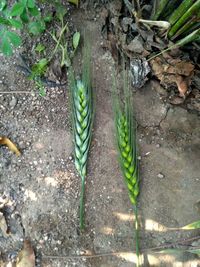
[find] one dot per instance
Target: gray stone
(136, 45)
(13, 102)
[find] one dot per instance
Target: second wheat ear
(82, 107)
(125, 128)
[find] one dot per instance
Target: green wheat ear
(81, 96)
(125, 126)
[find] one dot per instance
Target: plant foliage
(183, 16)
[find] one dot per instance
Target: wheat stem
(137, 247)
(82, 203)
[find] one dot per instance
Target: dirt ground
(43, 187)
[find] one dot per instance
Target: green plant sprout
(37, 71)
(24, 14)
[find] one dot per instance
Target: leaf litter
(126, 32)
(170, 71)
(26, 257)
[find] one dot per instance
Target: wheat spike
(82, 123)
(125, 125)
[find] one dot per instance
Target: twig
(108, 254)
(15, 92)
(57, 41)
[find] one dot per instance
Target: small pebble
(160, 175)
(157, 145)
(13, 102)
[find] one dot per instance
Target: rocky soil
(42, 187)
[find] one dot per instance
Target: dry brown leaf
(26, 257)
(176, 100)
(172, 71)
(182, 85)
(10, 145)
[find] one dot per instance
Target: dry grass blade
(10, 145)
(126, 140)
(82, 123)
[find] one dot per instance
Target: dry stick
(15, 92)
(108, 254)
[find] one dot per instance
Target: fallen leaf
(26, 257)
(172, 71)
(10, 145)
(182, 85)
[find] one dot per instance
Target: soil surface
(43, 188)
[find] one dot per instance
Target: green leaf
(34, 11)
(36, 27)
(6, 46)
(24, 17)
(31, 3)
(75, 2)
(14, 38)
(42, 91)
(192, 226)
(2, 5)
(194, 251)
(76, 39)
(16, 23)
(48, 18)
(42, 63)
(4, 21)
(40, 67)
(61, 11)
(24, 2)
(17, 9)
(39, 48)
